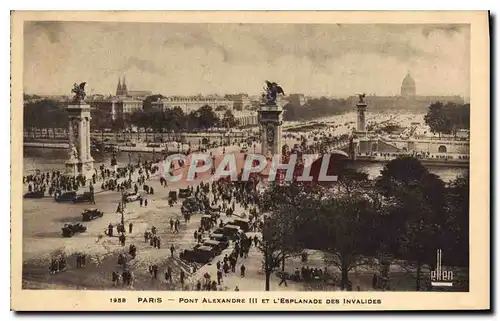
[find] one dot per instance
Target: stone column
(361, 118)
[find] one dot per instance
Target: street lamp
(122, 207)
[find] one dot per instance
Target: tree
(146, 104)
(446, 119)
(346, 229)
(288, 207)
(45, 113)
(206, 117)
(458, 221)
(414, 201)
(229, 121)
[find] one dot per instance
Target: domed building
(408, 88)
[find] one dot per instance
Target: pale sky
(184, 59)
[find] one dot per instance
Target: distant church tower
(124, 87)
(121, 89)
(408, 88)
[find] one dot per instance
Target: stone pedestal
(361, 117)
(80, 160)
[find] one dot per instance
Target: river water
(54, 159)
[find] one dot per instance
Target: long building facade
(408, 98)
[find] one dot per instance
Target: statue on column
(271, 92)
(361, 98)
(73, 152)
(79, 91)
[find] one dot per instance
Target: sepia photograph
(207, 157)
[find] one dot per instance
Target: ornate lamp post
(122, 207)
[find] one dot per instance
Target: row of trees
(315, 108)
(447, 118)
(48, 113)
(175, 119)
(401, 217)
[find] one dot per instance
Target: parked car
(219, 237)
(71, 229)
(90, 214)
(65, 197)
(82, 198)
(131, 197)
(218, 246)
(243, 225)
(230, 231)
(36, 194)
(200, 254)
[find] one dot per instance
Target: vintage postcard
(179, 161)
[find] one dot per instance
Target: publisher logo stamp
(440, 277)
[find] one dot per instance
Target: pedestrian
(236, 289)
(140, 201)
(283, 280)
(219, 276)
(182, 277)
(114, 278)
(145, 202)
(155, 271)
(172, 250)
(130, 227)
(169, 269)
(158, 242)
(242, 269)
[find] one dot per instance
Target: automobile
(154, 145)
(242, 224)
(230, 231)
(90, 214)
(82, 198)
(184, 192)
(131, 197)
(70, 229)
(65, 197)
(219, 237)
(130, 144)
(35, 194)
(219, 246)
(200, 254)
